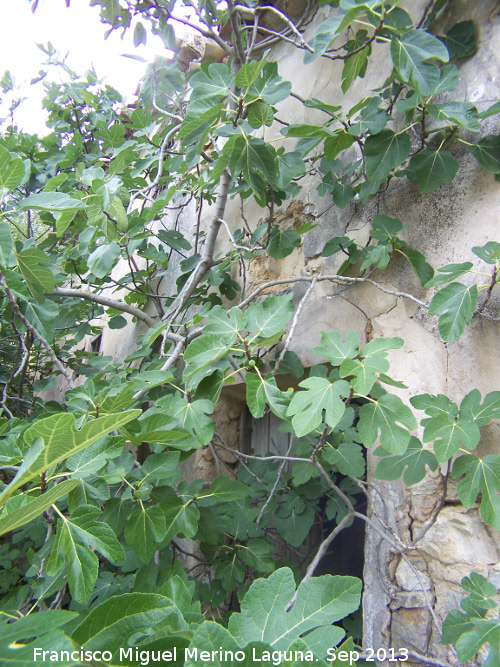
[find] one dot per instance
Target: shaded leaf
(487, 153)
(412, 464)
(118, 621)
(422, 268)
(259, 114)
(455, 624)
(42, 316)
(103, 258)
(294, 521)
(33, 508)
(373, 360)
(461, 114)
(354, 66)
(334, 350)
(384, 152)
(7, 257)
(202, 352)
(485, 632)
(283, 242)
(181, 517)
(174, 239)
(455, 304)
(348, 457)
(410, 54)
(192, 416)
(76, 540)
(11, 171)
(371, 119)
(481, 413)
(216, 82)
(38, 278)
(52, 201)
(460, 40)
(489, 252)
(448, 273)
(222, 489)
(337, 143)
(145, 528)
(433, 168)
(449, 434)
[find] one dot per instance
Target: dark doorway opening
(345, 555)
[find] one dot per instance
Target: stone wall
(444, 226)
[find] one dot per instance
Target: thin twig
(323, 548)
(294, 325)
(206, 33)
(236, 366)
(168, 364)
(216, 458)
(160, 109)
(232, 451)
(57, 602)
(232, 239)
(35, 333)
(492, 284)
(254, 36)
(427, 9)
(276, 483)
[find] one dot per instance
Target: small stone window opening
(95, 344)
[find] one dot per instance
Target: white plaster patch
(478, 93)
(458, 537)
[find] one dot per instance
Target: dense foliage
(94, 529)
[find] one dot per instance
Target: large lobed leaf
(77, 538)
(263, 391)
(33, 508)
(320, 602)
(410, 55)
(412, 464)
(480, 475)
(55, 439)
(306, 407)
(383, 416)
(268, 317)
(455, 304)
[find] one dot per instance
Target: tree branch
(343, 280)
(233, 17)
(207, 257)
(283, 17)
(167, 138)
(105, 301)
